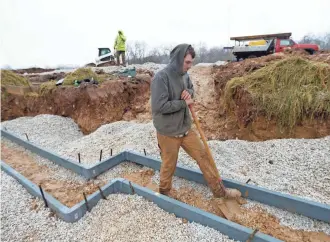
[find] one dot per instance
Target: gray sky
(47, 33)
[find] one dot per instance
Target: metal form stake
(132, 188)
(43, 196)
(79, 157)
(102, 194)
(27, 137)
(145, 153)
(86, 202)
(100, 155)
(252, 235)
(111, 152)
(248, 181)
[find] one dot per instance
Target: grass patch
(47, 87)
(289, 90)
(11, 78)
(81, 74)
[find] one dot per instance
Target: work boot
(232, 193)
(224, 192)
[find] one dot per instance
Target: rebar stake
(252, 235)
(86, 202)
(43, 196)
(145, 153)
(100, 155)
(248, 181)
(79, 157)
(102, 194)
(27, 137)
(111, 152)
(132, 188)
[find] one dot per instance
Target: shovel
(229, 207)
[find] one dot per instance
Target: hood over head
(120, 31)
(177, 57)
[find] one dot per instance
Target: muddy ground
(256, 218)
(67, 192)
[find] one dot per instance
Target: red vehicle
(267, 44)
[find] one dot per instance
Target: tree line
(137, 52)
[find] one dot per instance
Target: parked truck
(260, 45)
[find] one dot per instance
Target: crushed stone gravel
(120, 217)
(280, 165)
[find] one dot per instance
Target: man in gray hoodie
(171, 94)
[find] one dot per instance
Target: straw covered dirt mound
(89, 105)
(267, 98)
(11, 78)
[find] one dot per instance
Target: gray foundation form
(180, 209)
(233, 230)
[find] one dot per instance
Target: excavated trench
(127, 99)
(67, 192)
(88, 105)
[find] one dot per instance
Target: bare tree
(322, 40)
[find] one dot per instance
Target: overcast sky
(51, 32)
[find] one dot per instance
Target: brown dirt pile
(67, 192)
(89, 105)
(240, 122)
(252, 218)
(32, 70)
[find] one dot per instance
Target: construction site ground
(116, 116)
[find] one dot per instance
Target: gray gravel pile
(121, 217)
(49, 131)
(146, 66)
(218, 63)
(118, 136)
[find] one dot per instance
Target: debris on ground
(80, 75)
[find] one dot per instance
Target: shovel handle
(208, 151)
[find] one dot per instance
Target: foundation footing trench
(233, 230)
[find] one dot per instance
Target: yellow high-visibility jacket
(120, 42)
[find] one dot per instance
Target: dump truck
(260, 45)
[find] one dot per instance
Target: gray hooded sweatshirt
(170, 114)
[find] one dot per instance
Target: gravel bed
(49, 131)
(280, 165)
(121, 217)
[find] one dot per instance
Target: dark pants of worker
(122, 54)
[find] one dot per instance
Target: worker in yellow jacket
(120, 47)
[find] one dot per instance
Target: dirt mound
(81, 74)
(304, 110)
(46, 77)
(289, 91)
(11, 78)
(224, 73)
(89, 105)
(32, 70)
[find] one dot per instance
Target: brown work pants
(169, 148)
(122, 54)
